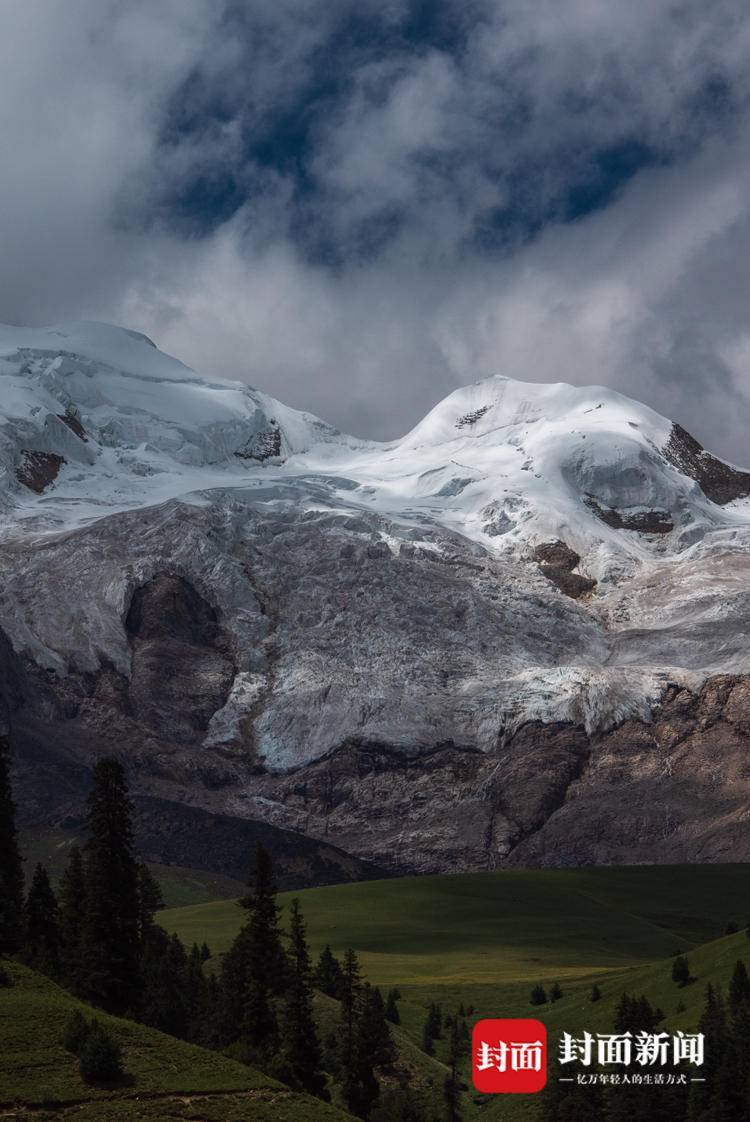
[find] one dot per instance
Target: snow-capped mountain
(418, 644)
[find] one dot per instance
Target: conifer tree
(681, 971)
(327, 976)
(349, 996)
(713, 1025)
(435, 1018)
(11, 866)
(42, 947)
(111, 932)
(266, 966)
(72, 922)
(255, 969)
(391, 1008)
(636, 1014)
(150, 900)
(739, 987)
(373, 1047)
(164, 1002)
(451, 1088)
(374, 1035)
(198, 998)
(538, 995)
(400, 1105)
(433, 1028)
(302, 1049)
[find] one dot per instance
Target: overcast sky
(358, 205)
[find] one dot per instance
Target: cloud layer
(357, 206)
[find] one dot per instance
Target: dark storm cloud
(358, 205)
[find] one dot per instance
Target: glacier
(527, 555)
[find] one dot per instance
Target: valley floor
(481, 941)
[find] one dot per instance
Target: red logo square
(509, 1056)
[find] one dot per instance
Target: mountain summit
(474, 644)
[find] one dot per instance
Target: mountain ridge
(277, 621)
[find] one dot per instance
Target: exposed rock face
(644, 522)
(557, 562)
(675, 790)
(38, 470)
(719, 481)
(182, 665)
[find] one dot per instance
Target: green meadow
(514, 925)
(165, 1078)
(482, 940)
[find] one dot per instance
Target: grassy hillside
(484, 939)
(179, 886)
(167, 1079)
(453, 931)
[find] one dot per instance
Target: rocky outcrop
(719, 482)
(674, 790)
(557, 561)
(643, 522)
(182, 663)
(38, 470)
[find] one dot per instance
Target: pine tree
(350, 999)
(111, 933)
(42, 947)
(435, 1017)
(635, 1014)
(11, 866)
(72, 922)
(302, 1049)
(373, 1047)
(713, 1025)
(451, 1087)
(198, 999)
(150, 901)
(401, 1105)
(739, 987)
(267, 970)
(255, 969)
(374, 1035)
(391, 1008)
(433, 1028)
(327, 976)
(681, 971)
(164, 1003)
(538, 995)
(428, 1041)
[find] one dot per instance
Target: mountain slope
(517, 634)
(166, 1077)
